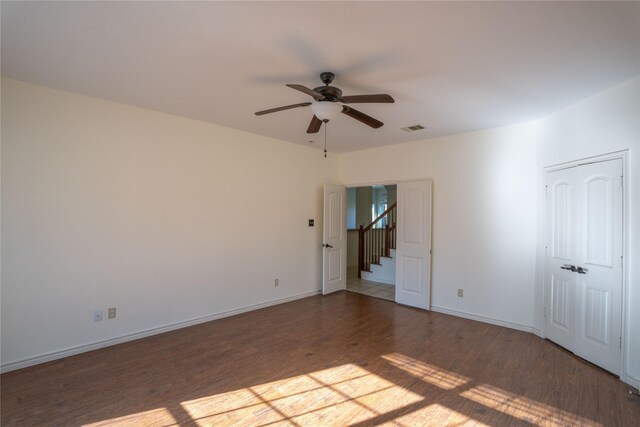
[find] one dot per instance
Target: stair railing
(377, 239)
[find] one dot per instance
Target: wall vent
(413, 128)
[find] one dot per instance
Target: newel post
(387, 242)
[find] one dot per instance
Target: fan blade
(362, 117)
(286, 107)
(315, 124)
(316, 95)
(379, 98)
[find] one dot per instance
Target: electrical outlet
(97, 316)
(276, 282)
(460, 293)
(111, 313)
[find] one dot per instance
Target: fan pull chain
(325, 137)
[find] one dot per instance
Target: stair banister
(373, 242)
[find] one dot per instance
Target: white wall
(392, 194)
(352, 248)
(163, 217)
(484, 216)
(364, 198)
(351, 208)
(352, 236)
(605, 123)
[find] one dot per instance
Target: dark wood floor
(343, 359)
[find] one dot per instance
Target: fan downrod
(330, 93)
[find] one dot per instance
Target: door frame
(396, 182)
(624, 156)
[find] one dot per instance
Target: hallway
(365, 287)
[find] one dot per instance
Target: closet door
(560, 280)
(583, 283)
(598, 259)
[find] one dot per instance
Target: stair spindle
(375, 240)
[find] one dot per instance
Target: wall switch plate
(97, 316)
(311, 222)
(460, 293)
(276, 282)
(111, 313)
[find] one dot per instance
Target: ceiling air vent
(413, 128)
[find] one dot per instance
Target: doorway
(412, 236)
(366, 208)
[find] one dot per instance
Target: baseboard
(48, 357)
(489, 320)
(632, 381)
(372, 278)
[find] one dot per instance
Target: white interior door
(560, 282)
(584, 261)
(334, 254)
(599, 254)
(413, 244)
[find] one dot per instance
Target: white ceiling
(451, 66)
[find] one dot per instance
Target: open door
(334, 255)
(413, 246)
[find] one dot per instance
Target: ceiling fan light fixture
(326, 110)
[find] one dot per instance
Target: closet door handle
(575, 269)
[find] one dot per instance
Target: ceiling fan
(329, 102)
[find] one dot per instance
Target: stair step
(385, 257)
(382, 271)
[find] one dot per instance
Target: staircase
(384, 272)
(376, 248)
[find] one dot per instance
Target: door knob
(581, 270)
(326, 245)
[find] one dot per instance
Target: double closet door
(584, 247)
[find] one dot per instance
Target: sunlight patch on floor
(341, 395)
(436, 415)
(523, 408)
(431, 374)
(350, 394)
